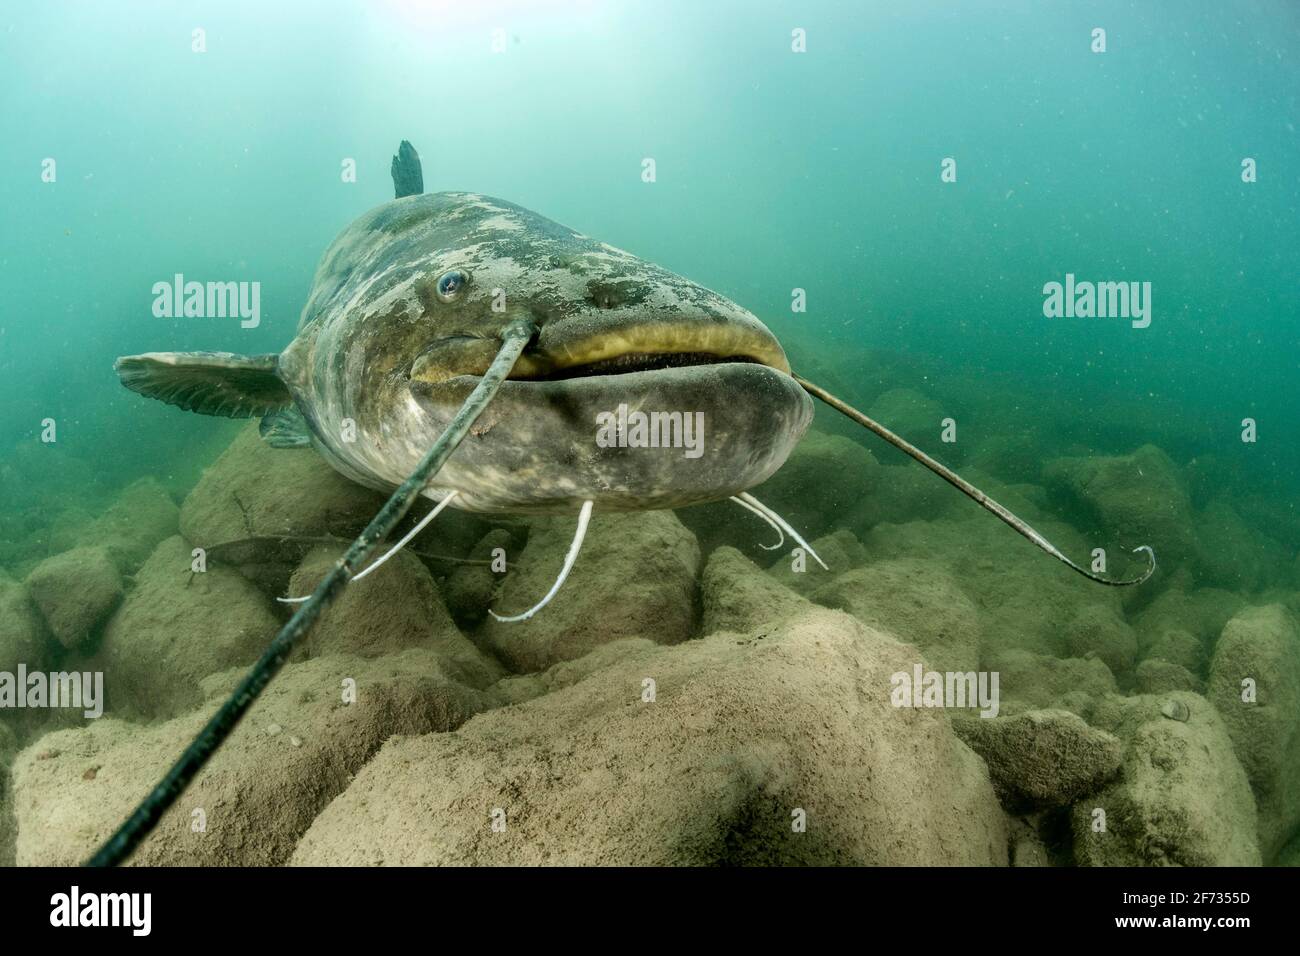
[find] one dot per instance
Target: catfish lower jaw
(545, 446)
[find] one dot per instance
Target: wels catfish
(451, 322)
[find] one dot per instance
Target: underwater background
(821, 170)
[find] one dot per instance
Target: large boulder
(296, 748)
(918, 602)
(142, 515)
(844, 473)
(635, 577)
(177, 627)
(1022, 596)
(919, 419)
(471, 588)
(737, 596)
(1028, 681)
(23, 635)
(1255, 684)
(840, 551)
(1181, 797)
(76, 591)
(255, 490)
(1100, 630)
(1136, 499)
(1042, 758)
(394, 607)
(779, 748)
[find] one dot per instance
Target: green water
(776, 170)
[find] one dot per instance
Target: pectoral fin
(286, 428)
(210, 383)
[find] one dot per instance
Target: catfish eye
(450, 284)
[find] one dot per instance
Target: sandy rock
(917, 417)
(1201, 612)
(1262, 645)
(1137, 499)
(1177, 646)
(471, 589)
(142, 515)
(521, 687)
(743, 733)
(902, 493)
(1041, 758)
(1022, 596)
(1100, 630)
(1027, 847)
(395, 607)
(1157, 676)
(254, 489)
(175, 628)
(1181, 797)
(259, 792)
(1232, 554)
(635, 577)
(736, 595)
(840, 550)
(842, 474)
(1010, 455)
(23, 635)
(1030, 681)
(76, 591)
(915, 601)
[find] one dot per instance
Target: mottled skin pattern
(378, 345)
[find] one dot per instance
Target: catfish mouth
(646, 346)
(587, 351)
(635, 362)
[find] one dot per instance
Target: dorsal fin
(408, 177)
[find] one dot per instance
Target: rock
(917, 602)
(1022, 596)
(840, 550)
(76, 591)
(1030, 681)
(1181, 797)
(1262, 645)
(1041, 758)
(1027, 846)
(175, 628)
(142, 515)
(1138, 499)
(737, 596)
(1233, 555)
(262, 508)
(1201, 612)
(1290, 855)
(1099, 629)
(259, 792)
(743, 734)
(918, 418)
(1176, 646)
(1156, 676)
(470, 589)
(23, 637)
(902, 493)
(635, 577)
(1011, 455)
(522, 687)
(843, 474)
(254, 489)
(395, 607)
